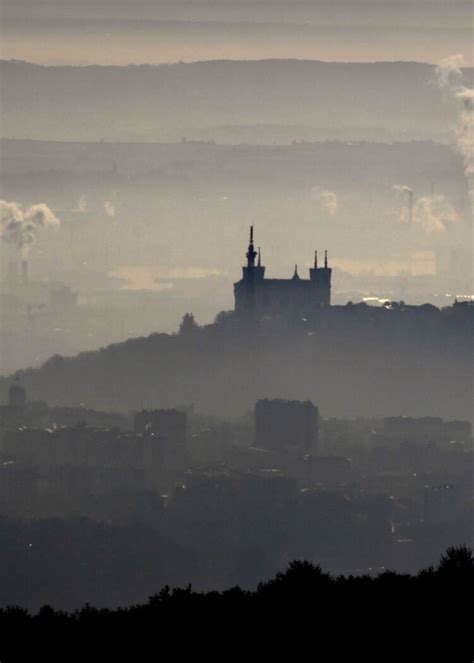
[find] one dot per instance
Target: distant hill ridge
(146, 101)
(466, 70)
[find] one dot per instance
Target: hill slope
(349, 360)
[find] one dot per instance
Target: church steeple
(253, 271)
(251, 253)
(256, 296)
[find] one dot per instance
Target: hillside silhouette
(352, 360)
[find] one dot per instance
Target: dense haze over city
(157, 132)
(236, 293)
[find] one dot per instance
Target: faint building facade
(424, 430)
(441, 503)
(169, 426)
(16, 396)
(282, 425)
(328, 470)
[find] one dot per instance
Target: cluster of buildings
(62, 461)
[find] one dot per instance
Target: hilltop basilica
(254, 294)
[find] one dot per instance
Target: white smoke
(40, 216)
(327, 199)
(465, 132)
(81, 205)
(449, 73)
(403, 188)
(109, 208)
(9, 211)
(19, 227)
(433, 214)
(467, 95)
(450, 77)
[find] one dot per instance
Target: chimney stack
(24, 272)
(410, 207)
(12, 275)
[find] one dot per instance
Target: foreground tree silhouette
(301, 579)
(445, 592)
(457, 564)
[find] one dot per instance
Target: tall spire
(326, 259)
(259, 264)
(315, 260)
(251, 253)
(296, 275)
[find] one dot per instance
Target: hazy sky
(157, 31)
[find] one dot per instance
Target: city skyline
(236, 327)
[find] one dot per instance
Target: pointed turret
(252, 275)
(313, 271)
(253, 271)
(321, 280)
(251, 253)
(256, 296)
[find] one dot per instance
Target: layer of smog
(143, 233)
(236, 306)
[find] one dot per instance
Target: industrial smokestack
(12, 275)
(410, 206)
(406, 215)
(24, 272)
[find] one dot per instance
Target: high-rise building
(170, 428)
(287, 426)
(16, 396)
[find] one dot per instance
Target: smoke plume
(450, 77)
(19, 227)
(327, 199)
(109, 208)
(81, 205)
(465, 132)
(433, 214)
(448, 72)
(403, 188)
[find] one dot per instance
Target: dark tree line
(303, 594)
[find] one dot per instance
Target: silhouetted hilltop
(350, 360)
(154, 102)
